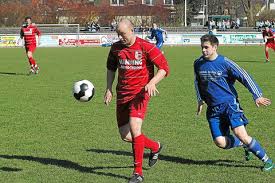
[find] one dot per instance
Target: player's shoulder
(117, 46)
(144, 43)
(198, 61)
(140, 40)
(33, 25)
(228, 61)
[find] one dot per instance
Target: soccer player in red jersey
(29, 32)
(134, 58)
(268, 36)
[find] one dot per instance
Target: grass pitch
(48, 136)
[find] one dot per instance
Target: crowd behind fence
(71, 30)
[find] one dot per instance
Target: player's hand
(108, 96)
(261, 101)
(200, 105)
(151, 89)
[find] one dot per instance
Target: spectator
(233, 24)
(260, 26)
(113, 25)
(219, 25)
(227, 24)
(97, 27)
(88, 27)
(93, 27)
(223, 24)
(238, 22)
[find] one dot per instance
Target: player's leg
(124, 128)
(266, 53)
(219, 127)
(222, 137)
(31, 62)
(238, 122)
(124, 125)
(34, 66)
(138, 148)
(138, 107)
(139, 110)
(235, 118)
(254, 146)
(125, 133)
(122, 114)
(159, 44)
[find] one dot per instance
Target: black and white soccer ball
(83, 90)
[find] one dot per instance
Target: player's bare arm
(39, 38)
(108, 93)
(261, 101)
(151, 86)
(200, 106)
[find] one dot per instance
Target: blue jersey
(214, 81)
(157, 34)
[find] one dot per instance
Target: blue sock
(233, 141)
(255, 147)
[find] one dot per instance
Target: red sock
(150, 144)
(266, 55)
(138, 150)
(32, 61)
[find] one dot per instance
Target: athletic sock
(32, 61)
(255, 147)
(150, 144)
(138, 150)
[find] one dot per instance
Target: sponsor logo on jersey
(28, 32)
(210, 75)
(138, 54)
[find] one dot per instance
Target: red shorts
(270, 45)
(30, 48)
(134, 108)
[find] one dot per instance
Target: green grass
(48, 136)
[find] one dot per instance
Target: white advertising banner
(108, 39)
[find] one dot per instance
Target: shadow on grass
(8, 169)
(14, 74)
(69, 165)
(180, 160)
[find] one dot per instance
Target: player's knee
(221, 143)
(245, 139)
(29, 55)
(126, 138)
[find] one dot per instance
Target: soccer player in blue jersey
(157, 33)
(215, 76)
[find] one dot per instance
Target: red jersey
(135, 66)
(29, 34)
(269, 34)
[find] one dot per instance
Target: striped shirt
(214, 81)
(29, 34)
(135, 66)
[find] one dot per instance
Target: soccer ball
(83, 90)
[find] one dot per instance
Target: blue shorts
(223, 116)
(159, 44)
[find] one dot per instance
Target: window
(117, 2)
(147, 2)
(168, 2)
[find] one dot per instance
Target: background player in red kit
(134, 58)
(268, 36)
(29, 32)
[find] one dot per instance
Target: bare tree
(251, 8)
